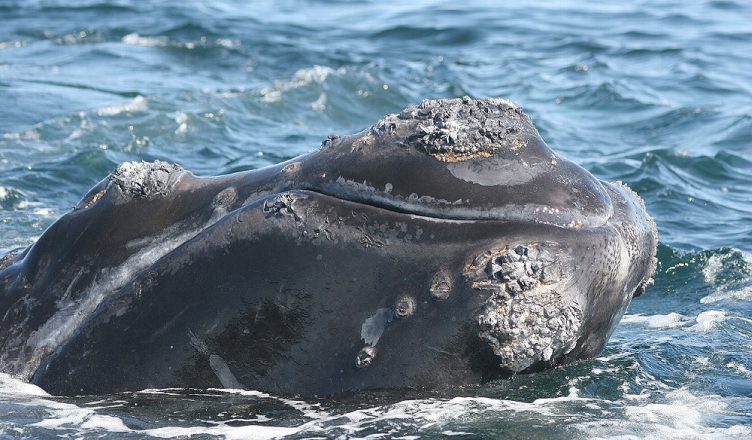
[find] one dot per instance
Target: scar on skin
(95, 198)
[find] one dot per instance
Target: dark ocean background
(654, 93)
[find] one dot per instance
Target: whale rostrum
(445, 245)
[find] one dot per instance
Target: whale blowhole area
(455, 130)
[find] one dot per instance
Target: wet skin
(444, 246)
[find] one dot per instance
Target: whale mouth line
(460, 211)
(462, 214)
(401, 209)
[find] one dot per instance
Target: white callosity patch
(453, 130)
(525, 320)
(145, 179)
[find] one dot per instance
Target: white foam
(9, 385)
(135, 39)
(227, 43)
(743, 294)
(12, 44)
(708, 320)
(182, 120)
(671, 320)
(574, 394)
(673, 414)
(32, 134)
(229, 432)
(137, 104)
(713, 266)
(84, 127)
(44, 212)
(740, 431)
(303, 77)
(681, 415)
(308, 410)
(739, 368)
(704, 361)
(66, 416)
(320, 104)
(426, 413)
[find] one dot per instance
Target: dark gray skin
(443, 246)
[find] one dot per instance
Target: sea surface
(654, 93)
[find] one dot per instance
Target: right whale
(445, 245)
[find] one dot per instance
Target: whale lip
(396, 209)
(440, 209)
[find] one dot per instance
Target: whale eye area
(455, 130)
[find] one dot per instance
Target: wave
(704, 322)
(137, 104)
(436, 35)
(203, 42)
(679, 412)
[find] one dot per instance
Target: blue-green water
(657, 94)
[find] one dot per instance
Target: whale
(446, 245)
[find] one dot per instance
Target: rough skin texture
(454, 130)
(526, 320)
(144, 179)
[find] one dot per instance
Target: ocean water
(654, 93)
